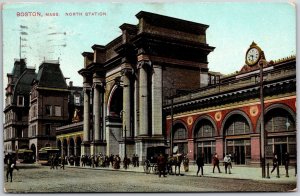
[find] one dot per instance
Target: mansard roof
(51, 76)
(23, 85)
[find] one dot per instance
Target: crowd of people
(55, 161)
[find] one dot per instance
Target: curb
(123, 170)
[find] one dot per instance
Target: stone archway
(58, 144)
(115, 101)
(236, 130)
(33, 148)
(180, 136)
(65, 147)
(78, 142)
(204, 132)
(71, 146)
(280, 126)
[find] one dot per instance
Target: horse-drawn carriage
(150, 164)
(173, 161)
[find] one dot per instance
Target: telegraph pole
(262, 123)
(171, 134)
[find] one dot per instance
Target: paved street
(42, 179)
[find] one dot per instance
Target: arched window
(206, 129)
(180, 134)
(279, 120)
(237, 125)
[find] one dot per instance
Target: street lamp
(262, 123)
(124, 131)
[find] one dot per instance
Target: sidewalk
(237, 172)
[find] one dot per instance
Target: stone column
(157, 101)
(96, 106)
(126, 102)
(219, 147)
(75, 149)
(86, 115)
(143, 98)
(136, 107)
(255, 149)
(191, 148)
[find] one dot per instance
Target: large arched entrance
(58, 145)
(33, 148)
(281, 133)
(65, 147)
(78, 146)
(115, 103)
(71, 146)
(237, 138)
(180, 136)
(205, 143)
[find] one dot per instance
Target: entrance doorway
(207, 154)
(239, 155)
(280, 149)
(240, 150)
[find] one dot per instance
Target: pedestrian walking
(216, 162)
(200, 164)
(51, 160)
(227, 162)
(286, 159)
(275, 162)
(11, 165)
(62, 162)
(125, 162)
(186, 163)
(161, 165)
(137, 160)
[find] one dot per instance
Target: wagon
(150, 164)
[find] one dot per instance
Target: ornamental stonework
(253, 110)
(190, 120)
(218, 116)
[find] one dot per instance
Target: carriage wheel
(147, 167)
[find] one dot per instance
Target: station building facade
(127, 81)
(226, 118)
(159, 67)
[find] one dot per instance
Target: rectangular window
(20, 101)
(49, 110)
(34, 111)
(33, 131)
(77, 99)
(57, 110)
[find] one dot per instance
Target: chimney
(70, 83)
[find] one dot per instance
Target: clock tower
(253, 55)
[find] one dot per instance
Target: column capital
(144, 64)
(127, 71)
(156, 66)
(99, 85)
(87, 89)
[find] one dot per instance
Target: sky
(232, 28)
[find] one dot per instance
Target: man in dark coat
(216, 163)
(286, 158)
(200, 164)
(62, 162)
(161, 165)
(11, 165)
(275, 162)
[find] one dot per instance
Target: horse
(176, 161)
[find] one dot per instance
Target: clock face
(252, 56)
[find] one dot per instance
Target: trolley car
(44, 154)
